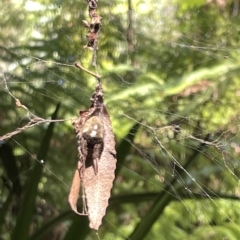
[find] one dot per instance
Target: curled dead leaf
(97, 160)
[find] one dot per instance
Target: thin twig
(89, 72)
(33, 122)
(93, 29)
(33, 119)
(94, 55)
(17, 101)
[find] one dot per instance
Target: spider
(91, 143)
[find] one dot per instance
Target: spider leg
(95, 165)
(80, 169)
(97, 151)
(84, 210)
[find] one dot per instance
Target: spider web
(191, 158)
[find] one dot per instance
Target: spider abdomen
(93, 130)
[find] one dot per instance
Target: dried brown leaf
(98, 187)
(74, 191)
(97, 178)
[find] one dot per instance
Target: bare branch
(33, 119)
(89, 72)
(93, 29)
(33, 122)
(17, 101)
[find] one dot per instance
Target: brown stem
(89, 72)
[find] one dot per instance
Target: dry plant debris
(96, 144)
(93, 28)
(97, 159)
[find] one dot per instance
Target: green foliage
(172, 92)
(26, 208)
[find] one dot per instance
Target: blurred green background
(172, 87)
